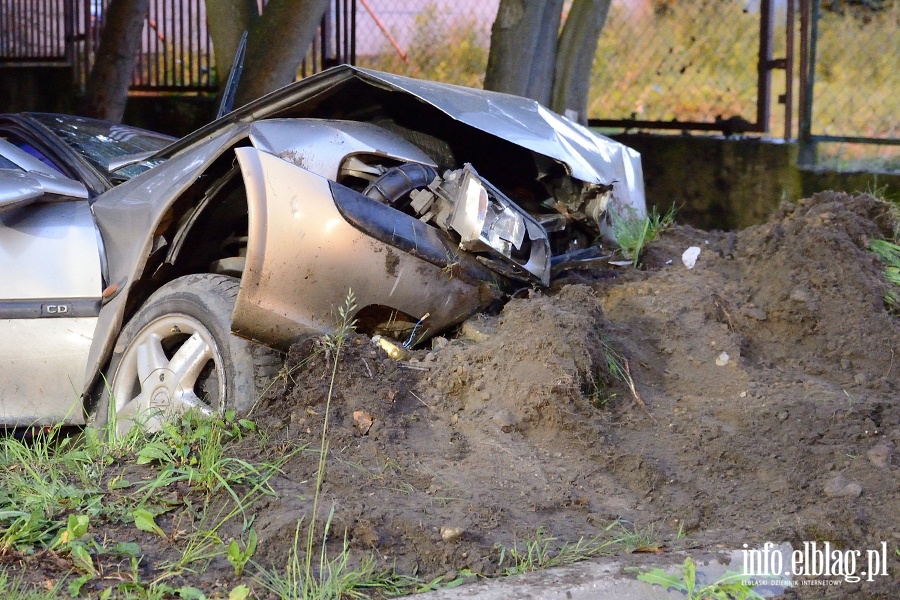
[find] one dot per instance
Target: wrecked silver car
(143, 275)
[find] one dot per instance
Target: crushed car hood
(589, 157)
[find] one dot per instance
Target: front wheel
(178, 354)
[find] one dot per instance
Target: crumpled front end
(313, 241)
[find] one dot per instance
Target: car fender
(128, 217)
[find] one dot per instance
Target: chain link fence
(676, 64)
(660, 60)
(444, 40)
(855, 82)
(677, 60)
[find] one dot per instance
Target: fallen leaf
(363, 420)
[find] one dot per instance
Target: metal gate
(851, 92)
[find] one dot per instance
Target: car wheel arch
(162, 262)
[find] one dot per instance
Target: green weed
(729, 586)
(238, 557)
(633, 232)
(543, 552)
(889, 253)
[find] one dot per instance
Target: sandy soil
(517, 424)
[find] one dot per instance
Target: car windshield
(101, 141)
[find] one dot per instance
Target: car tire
(178, 353)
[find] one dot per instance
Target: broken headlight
(503, 236)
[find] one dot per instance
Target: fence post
(809, 31)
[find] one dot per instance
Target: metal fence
(852, 83)
(176, 54)
(686, 64)
(34, 32)
(718, 65)
(176, 51)
(689, 64)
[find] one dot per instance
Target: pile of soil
(766, 409)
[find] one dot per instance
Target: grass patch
(633, 232)
(889, 253)
(16, 588)
(60, 490)
(544, 551)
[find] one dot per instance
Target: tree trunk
(227, 20)
(277, 43)
(523, 47)
(106, 92)
(575, 56)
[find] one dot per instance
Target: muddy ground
(517, 424)
(768, 384)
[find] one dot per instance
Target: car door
(50, 286)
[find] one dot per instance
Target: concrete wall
(717, 183)
(722, 183)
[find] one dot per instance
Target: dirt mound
(767, 372)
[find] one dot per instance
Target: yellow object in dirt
(393, 350)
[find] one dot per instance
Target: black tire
(178, 352)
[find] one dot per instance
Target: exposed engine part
(394, 187)
(355, 167)
(580, 202)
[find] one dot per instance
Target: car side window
(30, 149)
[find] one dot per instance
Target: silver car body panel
(588, 156)
(55, 348)
(591, 157)
(49, 250)
(49, 298)
(304, 255)
(321, 146)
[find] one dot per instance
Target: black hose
(393, 187)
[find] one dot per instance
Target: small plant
(729, 586)
(238, 557)
(889, 253)
(633, 232)
(542, 552)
